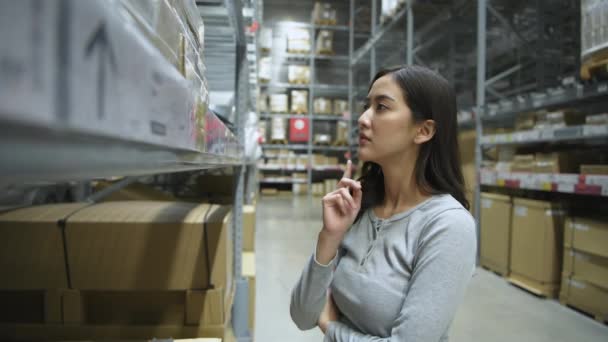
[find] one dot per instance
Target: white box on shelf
(595, 130)
(597, 180)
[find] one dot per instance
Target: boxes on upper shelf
(495, 232)
(322, 105)
(523, 163)
(597, 119)
(265, 71)
(587, 169)
(324, 44)
(298, 74)
(278, 103)
(266, 39)
(299, 101)
(319, 160)
(298, 40)
(340, 106)
(324, 14)
(278, 130)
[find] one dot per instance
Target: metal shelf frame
(314, 89)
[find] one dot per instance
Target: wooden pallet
(326, 52)
(298, 82)
(544, 290)
(298, 51)
(598, 316)
(326, 22)
(490, 266)
(279, 141)
(595, 65)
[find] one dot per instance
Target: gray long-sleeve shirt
(395, 279)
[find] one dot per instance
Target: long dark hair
(438, 169)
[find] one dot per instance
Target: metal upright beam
(410, 34)
(351, 47)
(481, 100)
(372, 61)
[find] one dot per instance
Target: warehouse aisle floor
(493, 310)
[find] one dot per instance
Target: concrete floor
(493, 310)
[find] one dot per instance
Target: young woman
(397, 248)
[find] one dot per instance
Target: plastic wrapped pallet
(298, 74)
(322, 105)
(340, 106)
(325, 43)
(265, 71)
(322, 139)
(278, 103)
(298, 40)
(299, 101)
(324, 14)
(279, 129)
(594, 36)
(341, 134)
(263, 103)
(266, 39)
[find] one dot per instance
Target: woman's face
(386, 127)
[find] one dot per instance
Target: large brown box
(495, 244)
(141, 308)
(31, 251)
(248, 228)
(248, 271)
(587, 235)
(585, 296)
(536, 245)
(149, 245)
(588, 267)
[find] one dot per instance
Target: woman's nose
(364, 119)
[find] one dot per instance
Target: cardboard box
(469, 172)
(298, 40)
(298, 74)
(587, 235)
(137, 308)
(299, 101)
(319, 160)
(588, 267)
(134, 192)
(340, 106)
(466, 145)
(524, 163)
(30, 306)
(32, 250)
(556, 162)
(322, 105)
(587, 169)
(325, 42)
(278, 103)
(150, 246)
(536, 240)
(495, 244)
(248, 272)
(249, 228)
(585, 296)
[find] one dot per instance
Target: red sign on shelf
(299, 130)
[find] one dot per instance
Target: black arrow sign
(100, 39)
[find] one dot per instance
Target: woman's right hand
(340, 208)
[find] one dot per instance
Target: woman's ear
(425, 131)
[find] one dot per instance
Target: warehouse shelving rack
(314, 88)
(44, 139)
(525, 57)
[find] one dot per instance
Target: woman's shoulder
(445, 212)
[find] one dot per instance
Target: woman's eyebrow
(380, 98)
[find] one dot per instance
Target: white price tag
(520, 211)
(577, 284)
(565, 187)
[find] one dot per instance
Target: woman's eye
(382, 107)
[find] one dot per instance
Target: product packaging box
(495, 244)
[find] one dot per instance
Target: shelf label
(602, 88)
(520, 211)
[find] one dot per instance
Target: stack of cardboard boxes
(495, 233)
(119, 270)
(585, 270)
